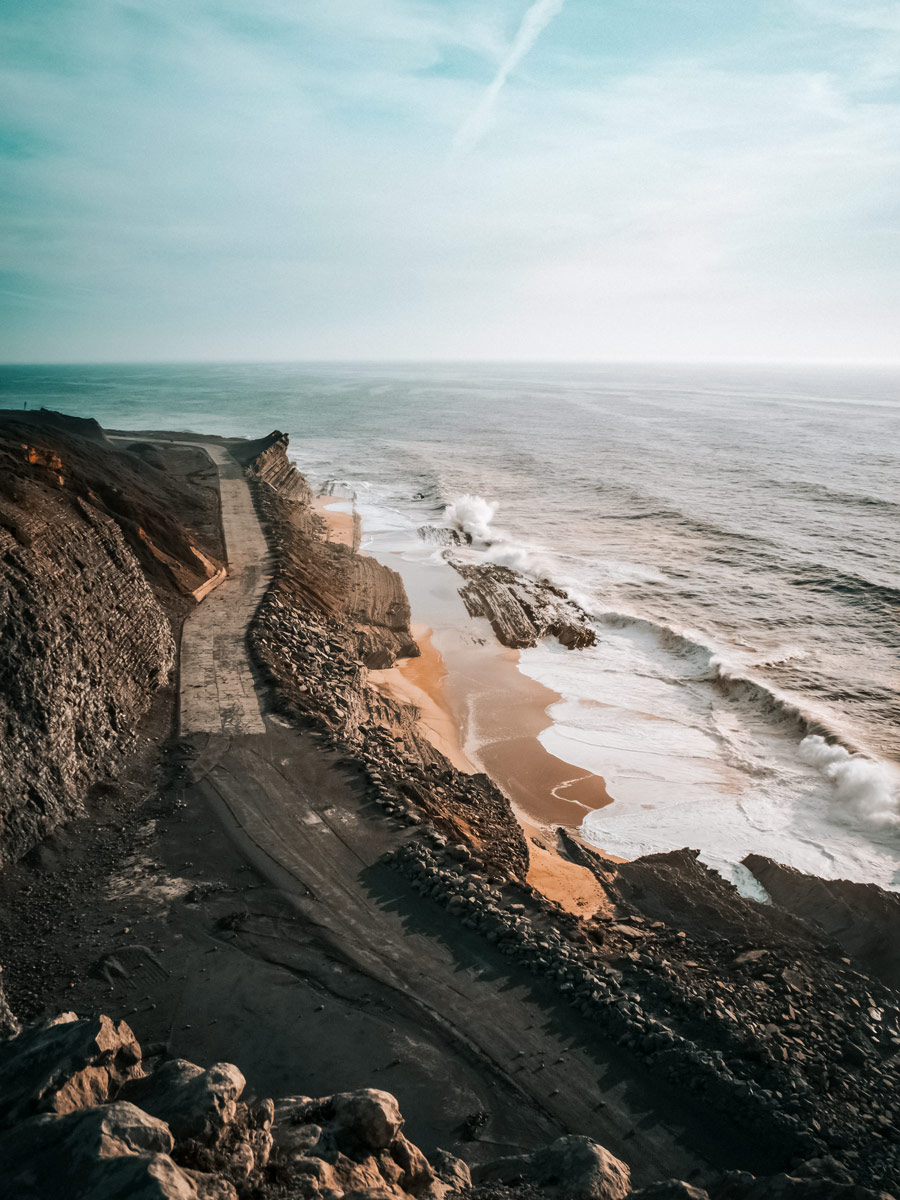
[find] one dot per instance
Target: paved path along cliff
(217, 691)
(476, 1031)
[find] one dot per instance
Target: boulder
(368, 1118)
(451, 1170)
(194, 1103)
(416, 1174)
(351, 1144)
(64, 1065)
(82, 1136)
(148, 1177)
(103, 1153)
(574, 1168)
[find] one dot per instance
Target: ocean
(731, 531)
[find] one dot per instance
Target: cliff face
(85, 646)
(85, 640)
(268, 461)
(331, 578)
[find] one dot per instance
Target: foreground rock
(84, 1118)
(65, 1065)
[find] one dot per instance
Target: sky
(585, 180)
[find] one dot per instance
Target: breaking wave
(471, 515)
(732, 681)
(863, 789)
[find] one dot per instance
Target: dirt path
(335, 971)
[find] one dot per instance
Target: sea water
(731, 531)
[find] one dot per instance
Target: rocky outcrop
(64, 1065)
(194, 1103)
(174, 1131)
(522, 610)
(675, 887)
(352, 1144)
(862, 918)
(83, 1116)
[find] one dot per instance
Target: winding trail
(337, 965)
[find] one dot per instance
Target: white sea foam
(863, 789)
(472, 515)
(690, 763)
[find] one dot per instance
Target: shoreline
(483, 714)
(329, 904)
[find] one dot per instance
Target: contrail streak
(536, 19)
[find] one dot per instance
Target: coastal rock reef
(82, 1108)
(522, 610)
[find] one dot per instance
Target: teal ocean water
(732, 531)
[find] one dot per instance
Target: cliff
(89, 554)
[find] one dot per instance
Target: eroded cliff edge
(93, 564)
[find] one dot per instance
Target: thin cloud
(534, 22)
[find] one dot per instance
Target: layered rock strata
(85, 647)
(522, 610)
(89, 556)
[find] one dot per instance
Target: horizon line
(518, 362)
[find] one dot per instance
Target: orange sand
(420, 682)
(342, 527)
(519, 764)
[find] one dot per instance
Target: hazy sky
(566, 179)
